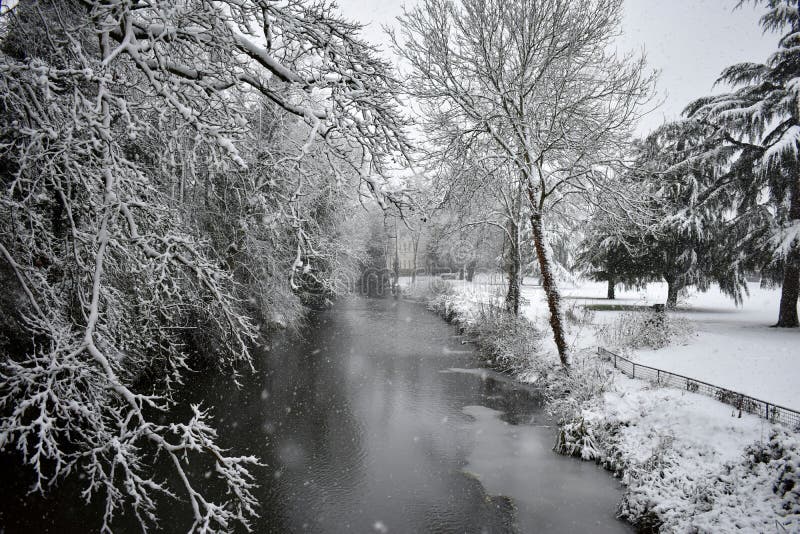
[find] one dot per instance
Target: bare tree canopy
(538, 81)
(138, 157)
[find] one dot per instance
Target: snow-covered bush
(576, 438)
(645, 329)
(453, 306)
(567, 391)
(691, 468)
(508, 342)
(781, 455)
(757, 493)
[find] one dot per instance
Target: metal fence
(743, 403)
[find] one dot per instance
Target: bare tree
(487, 192)
(537, 80)
(126, 130)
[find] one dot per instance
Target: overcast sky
(688, 41)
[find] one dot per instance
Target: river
(378, 421)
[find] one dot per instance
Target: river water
(378, 421)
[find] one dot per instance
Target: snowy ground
(692, 464)
(687, 458)
(731, 347)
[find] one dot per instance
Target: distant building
(403, 244)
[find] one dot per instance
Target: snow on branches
(533, 84)
(125, 129)
(745, 144)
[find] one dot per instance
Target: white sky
(688, 41)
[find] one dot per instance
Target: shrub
(645, 329)
(508, 342)
(567, 391)
(782, 455)
(575, 438)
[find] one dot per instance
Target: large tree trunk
(787, 316)
(512, 295)
(513, 266)
(550, 288)
(790, 290)
(610, 294)
(672, 292)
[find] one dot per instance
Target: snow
(691, 463)
(786, 236)
(748, 359)
(731, 347)
(688, 463)
(703, 430)
(786, 147)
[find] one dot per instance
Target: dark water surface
(378, 422)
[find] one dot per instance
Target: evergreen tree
(753, 141)
(688, 242)
(615, 259)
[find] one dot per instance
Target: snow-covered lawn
(731, 347)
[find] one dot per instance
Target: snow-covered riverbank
(690, 462)
(730, 346)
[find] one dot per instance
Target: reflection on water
(370, 424)
(551, 493)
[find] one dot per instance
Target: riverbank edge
(591, 429)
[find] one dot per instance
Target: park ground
(690, 463)
(730, 346)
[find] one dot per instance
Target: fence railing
(740, 401)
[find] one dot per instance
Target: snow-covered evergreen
(752, 139)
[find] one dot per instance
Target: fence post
(633, 375)
(658, 376)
